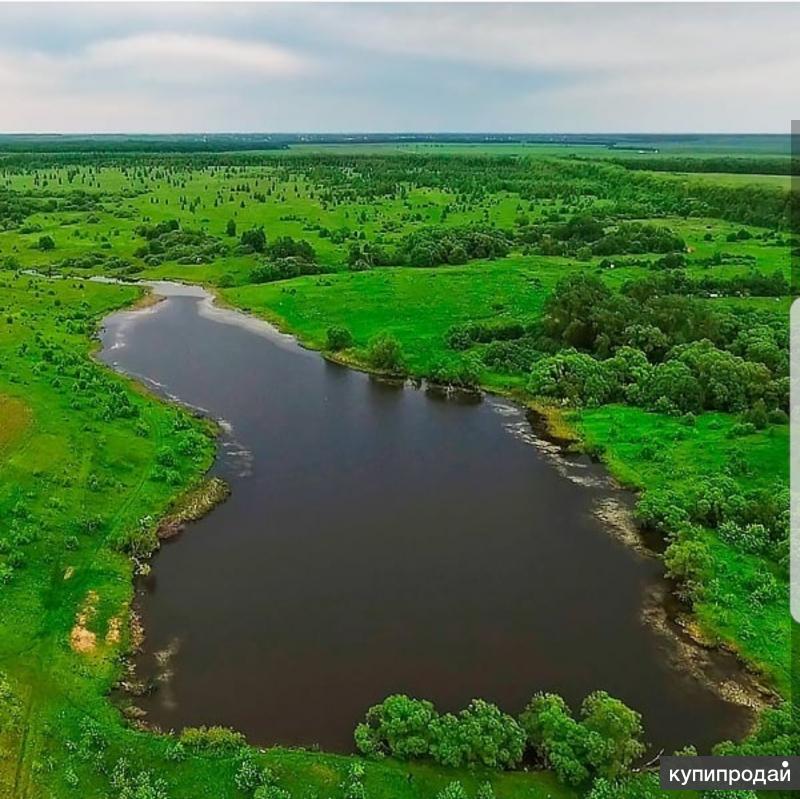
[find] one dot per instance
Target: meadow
(473, 266)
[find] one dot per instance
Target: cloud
(178, 56)
(570, 36)
(504, 67)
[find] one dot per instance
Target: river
(380, 538)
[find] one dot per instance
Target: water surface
(379, 539)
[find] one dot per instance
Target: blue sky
(404, 67)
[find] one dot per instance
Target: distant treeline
(144, 144)
(221, 142)
(737, 165)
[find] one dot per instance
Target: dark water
(379, 540)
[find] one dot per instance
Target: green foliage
(585, 236)
(464, 373)
(211, 740)
(168, 241)
(287, 247)
(655, 351)
(776, 735)
(411, 728)
(283, 269)
(384, 353)
(254, 239)
(399, 726)
(573, 376)
(461, 337)
(453, 790)
(634, 786)
(130, 784)
(604, 743)
(339, 338)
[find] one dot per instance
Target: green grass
(415, 305)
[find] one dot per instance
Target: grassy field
(417, 306)
(89, 461)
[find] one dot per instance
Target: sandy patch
(81, 638)
(114, 632)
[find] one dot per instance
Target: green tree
(399, 726)
(339, 338)
(558, 740)
(616, 736)
(573, 376)
(490, 737)
(255, 239)
(385, 353)
(230, 228)
(453, 790)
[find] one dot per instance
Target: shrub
(385, 353)
(212, 740)
(454, 790)
(399, 726)
(287, 247)
(461, 374)
(283, 269)
(604, 743)
(339, 338)
(575, 377)
(688, 561)
(411, 728)
(255, 239)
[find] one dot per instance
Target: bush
(411, 728)
(287, 247)
(462, 337)
(339, 338)
(512, 357)
(575, 377)
(461, 374)
(399, 726)
(454, 790)
(688, 561)
(283, 269)
(385, 353)
(635, 786)
(212, 740)
(255, 239)
(604, 743)
(46, 243)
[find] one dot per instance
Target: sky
(336, 67)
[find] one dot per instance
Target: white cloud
(538, 67)
(571, 36)
(178, 56)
